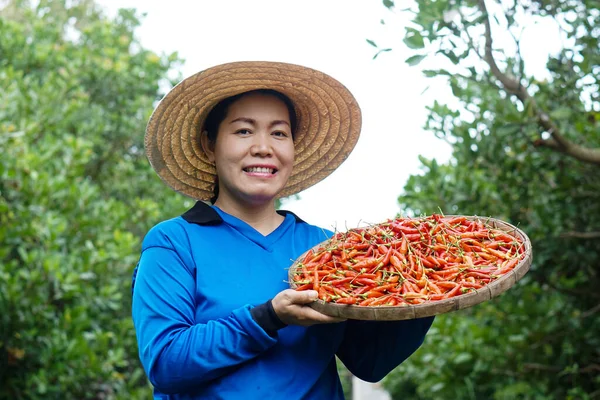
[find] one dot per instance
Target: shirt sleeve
(176, 352)
(371, 350)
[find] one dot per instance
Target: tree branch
(514, 87)
(497, 371)
(591, 311)
(581, 235)
(541, 367)
(543, 278)
(551, 143)
(551, 368)
(470, 42)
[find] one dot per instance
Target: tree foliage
(76, 196)
(526, 151)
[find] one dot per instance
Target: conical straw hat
(328, 123)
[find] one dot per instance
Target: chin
(261, 197)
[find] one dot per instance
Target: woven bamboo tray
(397, 313)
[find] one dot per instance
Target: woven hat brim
(328, 123)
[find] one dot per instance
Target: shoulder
(166, 234)
(315, 231)
(319, 231)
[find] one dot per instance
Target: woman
(213, 314)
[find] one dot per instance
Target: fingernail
(313, 294)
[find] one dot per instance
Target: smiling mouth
(260, 170)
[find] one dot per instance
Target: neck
(263, 217)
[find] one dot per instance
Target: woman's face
(254, 150)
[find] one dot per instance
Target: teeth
(260, 170)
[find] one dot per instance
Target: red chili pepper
(316, 280)
(388, 286)
(374, 293)
(436, 297)
(381, 300)
(474, 235)
(339, 292)
(427, 263)
(497, 253)
(388, 255)
(447, 284)
(509, 266)
(434, 288)
(365, 275)
(366, 281)
(472, 285)
(447, 272)
(367, 302)
(341, 281)
(395, 261)
(413, 295)
(367, 264)
(404, 245)
(453, 292)
(413, 237)
(323, 295)
(403, 229)
(347, 300)
(355, 246)
(455, 220)
(306, 286)
(361, 290)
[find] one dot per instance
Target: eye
(243, 131)
(281, 134)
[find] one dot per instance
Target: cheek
(289, 155)
(225, 152)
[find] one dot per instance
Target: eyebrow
(253, 122)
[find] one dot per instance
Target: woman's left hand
(292, 309)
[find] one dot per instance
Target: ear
(207, 146)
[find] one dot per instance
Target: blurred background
(487, 107)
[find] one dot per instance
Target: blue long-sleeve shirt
(199, 276)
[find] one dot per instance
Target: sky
(330, 36)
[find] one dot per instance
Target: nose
(261, 146)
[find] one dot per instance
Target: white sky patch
(329, 36)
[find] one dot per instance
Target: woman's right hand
(291, 306)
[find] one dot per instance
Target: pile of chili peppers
(408, 261)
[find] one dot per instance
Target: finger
(316, 316)
(303, 297)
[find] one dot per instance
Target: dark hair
(218, 113)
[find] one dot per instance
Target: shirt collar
(203, 214)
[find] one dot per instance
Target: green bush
(540, 339)
(76, 197)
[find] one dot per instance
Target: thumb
(306, 296)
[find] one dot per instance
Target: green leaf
(561, 113)
(507, 129)
(381, 51)
(437, 387)
(414, 60)
(372, 43)
(462, 357)
(452, 56)
(414, 40)
(388, 3)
